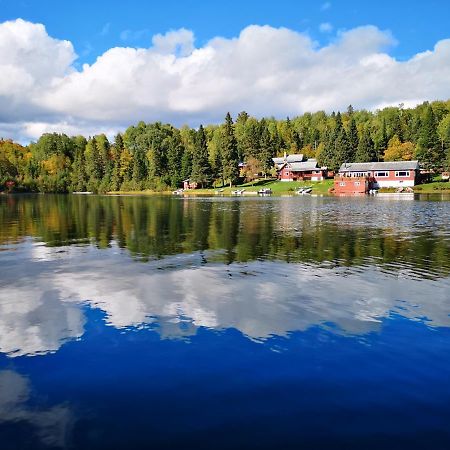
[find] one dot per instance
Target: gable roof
(296, 158)
(303, 166)
(385, 165)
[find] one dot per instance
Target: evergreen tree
(429, 151)
(116, 153)
(382, 141)
(353, 139)
(174, 159)
(341, 152)
(266, 148)
(186, 164)
(201, 170)
(366, 148)
(229, 152)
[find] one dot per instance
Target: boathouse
(298, 168)
(385, 174)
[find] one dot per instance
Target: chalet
(298, 168)
(362, 177)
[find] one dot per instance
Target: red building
(188, 184)
(378, 175)
(298, 168)
(351, 185)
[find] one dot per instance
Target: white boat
(238, 192)
(178, 192)
(82, 193)
(265, 191)
(302, 191)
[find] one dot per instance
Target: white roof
(385, 165)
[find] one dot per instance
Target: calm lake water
(224, 323)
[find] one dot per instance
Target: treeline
(159, 156)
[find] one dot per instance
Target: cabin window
(341, 183)
(357, 183)
(402, 173)
(381, 174)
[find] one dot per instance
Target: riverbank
(289, 187)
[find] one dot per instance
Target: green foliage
(366, 148)
(429, 150)
(156, 155)
(201, 170)
(230, 161)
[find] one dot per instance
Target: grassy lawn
(278, 187)
(434, 186)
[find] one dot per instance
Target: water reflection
(179, 294)
(51, 425)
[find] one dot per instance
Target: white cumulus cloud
(264, 70)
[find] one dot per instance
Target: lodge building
(362, 177)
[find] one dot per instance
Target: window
(359, 174)
(357, 183)
(402, 173)
(381, 174)
(341, 183)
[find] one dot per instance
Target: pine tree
(229, 152)
(266, 148)
(429, 151)
(366, 149)
(201, 170)
(174, 159)
(382, 141)
(116, 152)
(353, 139)
(397, 127)
(341, 152)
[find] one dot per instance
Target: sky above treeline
(90, 67)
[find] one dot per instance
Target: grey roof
(295, 158)
(290, 159)
(386, 165)
(304, 166)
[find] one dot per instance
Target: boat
(238, 192)
(82, 193)
(178, 192)
(303, 190)
(265, 191)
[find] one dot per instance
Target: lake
(224, 323)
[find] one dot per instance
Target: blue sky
(99, 66)
(95, 26)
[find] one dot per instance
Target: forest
(159, 156)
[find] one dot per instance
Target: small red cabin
(188, 184)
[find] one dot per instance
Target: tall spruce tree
(429, 151)
(353, 139)
(266, 148)
(116, 152)
(341, 151)
(366, 148)
(230, 161)
(201, 169)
